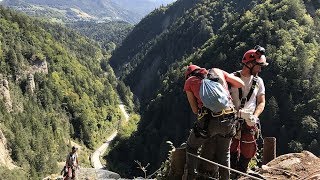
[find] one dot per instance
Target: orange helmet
(190, 69)
(256, 55)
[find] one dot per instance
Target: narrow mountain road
(95, 157)
(123, 110)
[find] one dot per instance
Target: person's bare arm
(234, 81)
(261, 101)
(193, 102)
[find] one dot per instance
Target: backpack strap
(243, 100)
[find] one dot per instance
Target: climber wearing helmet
(253, 60)
(214, 124)
(249, 101)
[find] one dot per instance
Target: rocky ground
(92, 174)
(302, 166)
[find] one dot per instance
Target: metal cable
(150, 176)
(217, 164)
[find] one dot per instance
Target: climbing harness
(222, 116)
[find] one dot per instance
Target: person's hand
(252, 121)
(244, 114)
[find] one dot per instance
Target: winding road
(95, 157)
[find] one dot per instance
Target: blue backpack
(212, 94)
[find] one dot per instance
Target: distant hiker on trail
(209, 98)
(72, 164)
(249, 102)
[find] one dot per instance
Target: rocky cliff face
(5, 159)
(36, 67)
(39, 66)
(30, 84)
(5, 93)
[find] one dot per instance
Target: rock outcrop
(39, 66)
(304, 165)
(30, 84)
(5, 159)
(91, 173)
(5, 93)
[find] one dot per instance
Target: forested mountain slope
(216, 34)
(158, 40)
(55, 85)
(108, 34)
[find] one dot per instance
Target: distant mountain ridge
(98, 10)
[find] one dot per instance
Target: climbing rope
(217, 164)
(150, 176)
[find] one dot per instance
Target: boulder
(304, 165)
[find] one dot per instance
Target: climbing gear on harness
(258, 134)
(198, 131)
(201, 132)
(224, 115)
(202, 112)
(249, 118)
(242, 127)
(223, 112)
